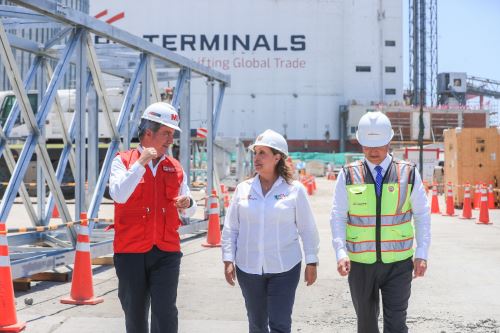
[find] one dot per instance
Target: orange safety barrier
(213, 233)
(467, 209)
(450, 206)
(435, 203)
(477, 197)
(8, 316)
(310, 188)
(491, 197)
(55, 213)
(82, 289)
(484, 216)
(225, 196)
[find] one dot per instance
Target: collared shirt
(261, 233)
(122, 182)
(420, 208)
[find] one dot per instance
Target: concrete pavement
(460, 293)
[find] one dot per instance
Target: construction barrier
(52, 227)
(450, 205)
(55, 213)
(435, 203)
(8, 316)
(477, 197)
(484, 217)
(491, 197)
(213, 233)
(82, 289)
(467, 208)
(225, 196)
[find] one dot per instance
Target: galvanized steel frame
(79, 49)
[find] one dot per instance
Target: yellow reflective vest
(379, 228)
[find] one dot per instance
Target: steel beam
(217, 110)
(113, 147)
(14, 112)
(95, 69)
(22, 13)
(185, 121)
(11, 165)
(179, 88)
(210, 136)
(33, 141)
(154, 88)
(81, 132)
(76, 18)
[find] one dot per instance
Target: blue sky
(468, 37)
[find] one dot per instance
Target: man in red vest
(150, 192)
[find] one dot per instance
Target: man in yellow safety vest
(374, 203)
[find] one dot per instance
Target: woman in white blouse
(260, 240)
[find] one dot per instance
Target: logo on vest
(168, 169)
(390, 189)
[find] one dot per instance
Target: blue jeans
(269, 299)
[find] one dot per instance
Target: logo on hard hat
(174, 117)
(390, 188)
(155, 114)
(259, 138)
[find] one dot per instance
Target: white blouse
(261, 233)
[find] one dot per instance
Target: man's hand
(310, 274)
(147, 155)
(344, 266)
(182, 202)
(419, 267)
(229, 272)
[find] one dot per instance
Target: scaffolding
(139, 62)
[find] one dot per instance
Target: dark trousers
(148, 279)
(269, 299)
(393, 281)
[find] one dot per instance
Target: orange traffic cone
(8, 316)
(310, 189)
(82, 290)
(477, 197)
(450, 206)
(484, 216)
(55, 213)
(491, 197)
(467, 209)
(225, 195)
(435, 202)
(313, 179)
(213, 234)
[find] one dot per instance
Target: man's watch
(312, 264)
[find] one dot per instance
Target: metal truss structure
(423, 49)
(74, 44)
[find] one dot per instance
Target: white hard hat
(162, 113)
(374, 130)
(271, 139)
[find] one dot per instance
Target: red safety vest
(149, 216)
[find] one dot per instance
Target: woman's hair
(283, 168)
